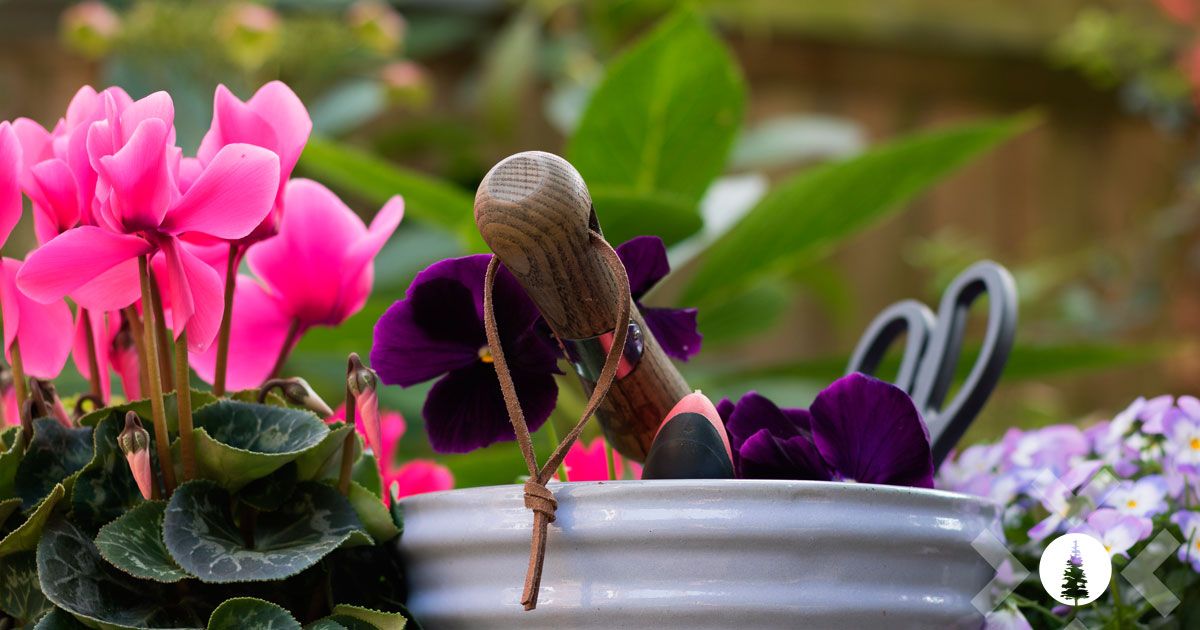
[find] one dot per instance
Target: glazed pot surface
(700, 554)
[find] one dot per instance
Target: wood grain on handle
(534, 212)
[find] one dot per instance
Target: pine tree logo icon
(1075, 569)
(1074, 585)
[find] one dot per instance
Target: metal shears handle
(934, 345)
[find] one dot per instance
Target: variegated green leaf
(10, 458)
(370, 577)
(325, 460)
(20, 594)
(134, 544)
(54, 455)
(203, 537)
(325, 624)
(142, 409)
(373, 513)
(248, 613)
(270, 492)
(105, 488)
(75, 578)
(59, 619)
(349, 615)
(238, 442)
(25, 537)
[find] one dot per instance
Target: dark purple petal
(532, 352)
(870, 431)
(725, 410)
(674, 329)
(645, 260)
(404, 354)
(515, 312)
(765, 456)
(465, 411)
(754, 413)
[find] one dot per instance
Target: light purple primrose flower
(1154, 412)
(1181, 480)
(645, 259)
(1189, 524)
(1006, 619)
(1145, 497)
(1056, 447)
(1118, 532)
(858, 429)
(965, 471)
(1056, 497)
(1182, 434)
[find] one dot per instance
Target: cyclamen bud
(377, 25)
(297, 391)
(52, 405)
(362, 383)
(90, 28)
(135, 443)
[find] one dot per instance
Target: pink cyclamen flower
(318, 271)
(10, 180)
(275, 119)
(587, 462)
(417, 477)
(42, 330)
(142, 211)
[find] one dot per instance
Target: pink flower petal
(302, 265)
(157, 106)
(42, 330)
(259, 330)
(139, 465)
(56, 197)
(367, 406)
(112, 290)
(358, 270)
(76, 258)
(231, 197)
(10, 180)
(419, 476)
(141, 187)
(196, 296)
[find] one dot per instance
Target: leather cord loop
(538, 498)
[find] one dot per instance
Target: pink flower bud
(135, 443)
(90, 28)
(406, 84)
(297, 391)
(363, 383)
(250, 32)
(377, 25)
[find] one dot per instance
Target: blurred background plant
(1094, 207)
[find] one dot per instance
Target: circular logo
(1075, 569)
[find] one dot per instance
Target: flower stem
(1118, 611)
(348, 445)
(139, 345)
(552, 433)
(93, 361)
(161, 439)
(18, 373)
(608, 460)
(183, 398)
(226, 321)
(163, 341)
(293, 336)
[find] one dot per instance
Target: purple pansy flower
(858, 429)
(437, 330)
(1116, 531)
(1189, 524)
(645, 260)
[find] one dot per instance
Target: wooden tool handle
(535, 213)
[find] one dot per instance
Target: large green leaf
(248, 613)
(354, 616)
(371, 577)
(624, 214)
(204, 539)
(105, 488)
(373, 513)
(20, 595)
(663, 119)
(54, 455)
(25, 537)
(325, 460)
(59, 619)
(134, 544)
(75, 578)
(238, 442)
(8, 507)
(821, 206)
(142, 409)
(10, 458)
(426, 198)
(270, 492)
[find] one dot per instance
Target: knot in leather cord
(539, 499)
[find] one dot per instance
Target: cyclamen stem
(18, 373)
(226, 321)
(93, 361)
(136, 330)
(293, 335)
(162, 339)
(609, 462)
(348, 445)
(183, 398)
(161, 439)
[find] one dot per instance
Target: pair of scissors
(933, 346)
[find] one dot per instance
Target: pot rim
(769, 488)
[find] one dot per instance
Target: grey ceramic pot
(700, 554)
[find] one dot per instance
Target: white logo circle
(1075, 569)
